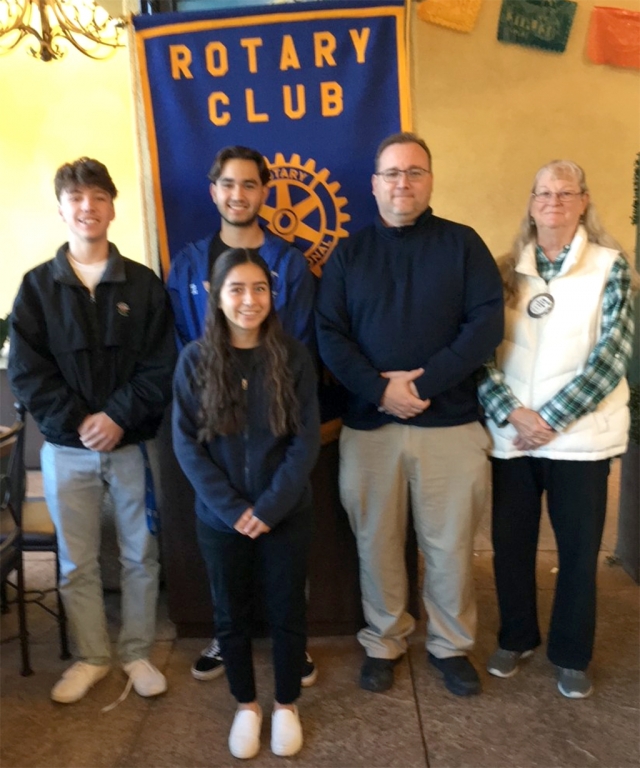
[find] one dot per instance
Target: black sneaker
(209, 664)
(309, 672)
(460, 676)
(377, 674)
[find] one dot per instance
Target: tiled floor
(518, 723)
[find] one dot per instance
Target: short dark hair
(402, 138)
(239, 153)
(84, 172)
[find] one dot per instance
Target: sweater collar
(395, 233)
(63, 271)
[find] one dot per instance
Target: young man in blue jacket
(409, 309)
(239, 180)
(92, 355)
(239, 177)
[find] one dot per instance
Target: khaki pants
(446, 471)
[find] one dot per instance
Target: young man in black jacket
(92, 354)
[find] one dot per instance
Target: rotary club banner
(315, 87)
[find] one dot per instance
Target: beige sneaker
(145, 678)
(76, 681)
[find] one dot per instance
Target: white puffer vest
(541, 355)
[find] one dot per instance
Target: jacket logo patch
(123, 308)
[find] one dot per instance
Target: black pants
(577, 501)
(278, 560)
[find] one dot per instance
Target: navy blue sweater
(398, 298)
(254, 468)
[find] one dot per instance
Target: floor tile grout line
(417, 704)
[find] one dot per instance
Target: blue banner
(315, 87)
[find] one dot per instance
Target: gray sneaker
(505, 663)
(574, 683)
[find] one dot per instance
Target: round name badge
(540, 305)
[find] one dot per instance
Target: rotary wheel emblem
(303, 208)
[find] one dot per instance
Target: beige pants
(447, 473)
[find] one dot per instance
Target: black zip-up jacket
(72, 354)
(254, 468)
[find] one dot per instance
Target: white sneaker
(244, 736)
(145, 678)
(286, 732)
(77, 680)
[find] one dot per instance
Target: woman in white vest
(556, 404)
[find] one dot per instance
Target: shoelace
(120, 698)
(213, 650)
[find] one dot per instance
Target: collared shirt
(606, 364)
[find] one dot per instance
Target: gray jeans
(75, 481)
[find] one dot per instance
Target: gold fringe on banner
(407, 117)
(149, 223)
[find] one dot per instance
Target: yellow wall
(493, 113)
(51, 113)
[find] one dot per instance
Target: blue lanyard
(153, 519)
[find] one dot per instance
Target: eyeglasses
(564, 196)
(392, 176)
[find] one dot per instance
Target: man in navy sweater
(409, 309)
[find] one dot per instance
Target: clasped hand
(249, 525)
(533, 431)
(99, 432)
(401, 397)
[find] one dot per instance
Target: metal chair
(12, 488)
(39, 535)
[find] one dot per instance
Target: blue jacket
(293, 288)
(426, 296)
(254, 468)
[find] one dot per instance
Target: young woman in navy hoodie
(246, 431)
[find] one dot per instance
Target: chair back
(12, 488)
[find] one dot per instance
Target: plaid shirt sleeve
(495, 396)
(608, 361)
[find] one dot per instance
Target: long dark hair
(222, 404)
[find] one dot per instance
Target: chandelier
(54, 24)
